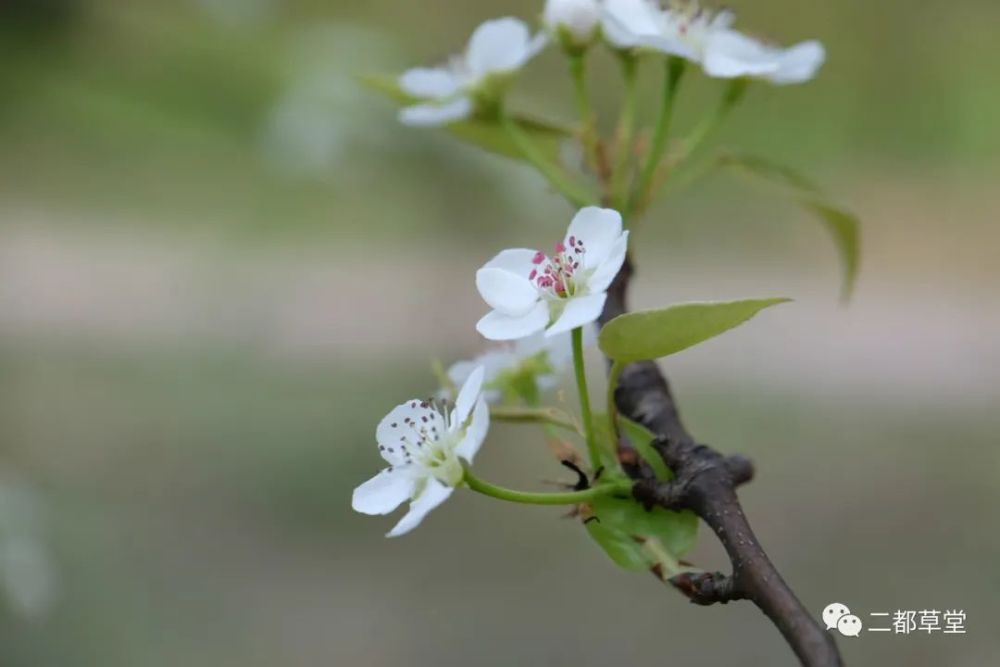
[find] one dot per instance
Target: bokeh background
(222, 261)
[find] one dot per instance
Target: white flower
(539, 357)
(423, 445)
(708, 39)
(497, 47)
(576, 18)
(530, 291)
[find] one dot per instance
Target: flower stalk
(585, 411)
(625, 132)
(557, 498)
(588, 130)
(674, 71)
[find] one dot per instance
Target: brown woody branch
(705, 482)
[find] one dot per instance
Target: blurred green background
(222, 261)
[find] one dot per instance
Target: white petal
(383, 493)
(579, 17)
(497, 326)
(500, 45)
(625, 22)
(535, 45)
(730, 54)
(670, 46)
(399, 431)
(558, 349)
(476, 432)
(530, 346)
(578, 311)
(431, 115)
(433, 494)
(433, 82)
(602, 276)
(467, 397)
(515, 260)
(799, 63)
(723, 20)
(510, 293)
(598, 228)
(494, 362)
(459, 371)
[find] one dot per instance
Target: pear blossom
(530, 291)
(447, 92)
(538, 357)
(708, 39)
(424, 443)
(574, 21)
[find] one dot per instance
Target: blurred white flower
(497, 47)
(530, 291)
(27, 571)
(424, 445)
(707, 38)
(537, 358)
(322, 117)
(27, 575)
(573, 20)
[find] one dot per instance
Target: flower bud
(574, 21)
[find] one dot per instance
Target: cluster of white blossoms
(706, 38)
(542, 304)
(537, 300)
(500, 47)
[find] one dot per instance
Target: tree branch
(705, 482)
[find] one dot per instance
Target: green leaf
(637, 539)
(651, 334)
(842, 224)
(844, 227)
(642, 438)
(485, 131)
(632, 537)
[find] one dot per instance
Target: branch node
(707, 588)
(740, 469)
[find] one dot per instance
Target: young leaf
(641, 438)
(843, 225)
(637, 434)
(651, 334)
(485, 131)
(634, 538)
(637, 539)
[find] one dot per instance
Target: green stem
(588, 130)
(534, 415)
(614, 375)
(575, 193)
(674, 71)
(624, 132)
(730, 98)
(530, 498)
(581, 387)
(684, 177)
